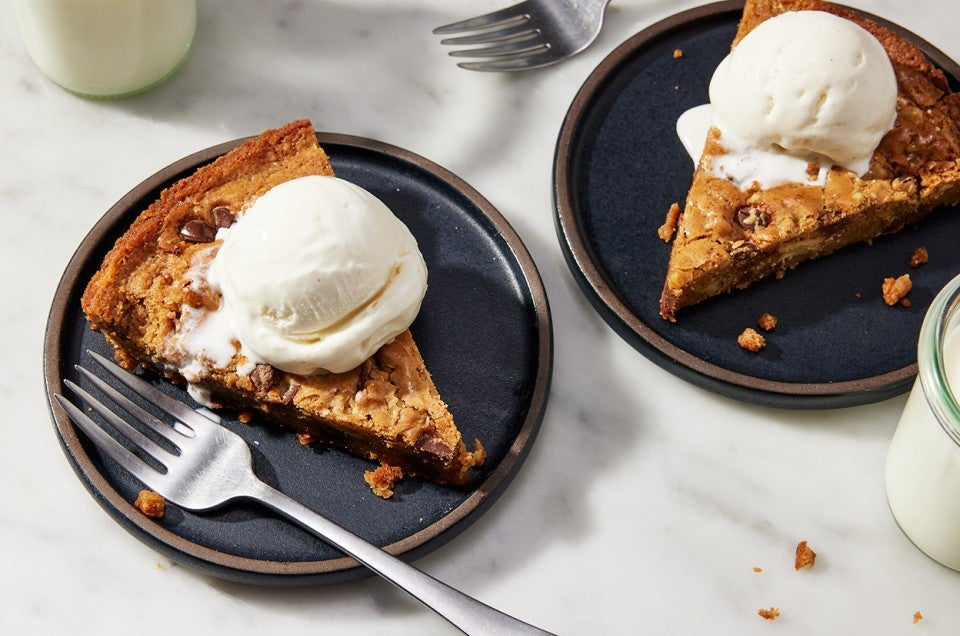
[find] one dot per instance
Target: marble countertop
(645, 503)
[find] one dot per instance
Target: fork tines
(528, 35)
(513, 37)
(504, 18)
(188, 422)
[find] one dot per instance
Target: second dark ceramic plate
(484, 330)
(618, 167)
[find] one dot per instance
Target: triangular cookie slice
(386, 409)
(728, 238)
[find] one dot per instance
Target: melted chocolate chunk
(435, 446)
(263, 377)
(197, 231)
(290, 393)
(222, 216)
(751, 216)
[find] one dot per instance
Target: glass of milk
(923, 462)
(107, 48)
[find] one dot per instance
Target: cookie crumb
(805, 557)
(669, 227)
(769, 614)
(895, 289)
(919, 257)
(383, 479)
(750, 340)
(767, 321)
(756, 569)
(479, 453)
(150, 503)
(917, 617)
(677, 54)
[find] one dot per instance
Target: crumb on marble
(917, 617)
(805, 557)
(769, 614)
(756, 569)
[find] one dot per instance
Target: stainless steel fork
(213, 465)
(528, 35)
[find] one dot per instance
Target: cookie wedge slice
(146, 293)
(727, 238)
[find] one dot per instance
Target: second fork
(528, 35)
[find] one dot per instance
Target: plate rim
(629, 326)
(244, 569)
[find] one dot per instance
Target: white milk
(107, 47)
(923, 462)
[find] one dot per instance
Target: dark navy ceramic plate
(618, 167)
(484, 331)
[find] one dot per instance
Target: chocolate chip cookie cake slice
(814, 144)
(157, 300)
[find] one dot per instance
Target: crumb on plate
(382, 479)
(150, 503)
(767, 321)
(917, 617)
(769, 614)
(919, 257)
(479, 453)
(751, 340)
(896, 289)
(669, 227)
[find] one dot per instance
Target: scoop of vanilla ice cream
(317, 275)
(808, 82)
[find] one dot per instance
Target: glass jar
(107, 48)
(923, 461)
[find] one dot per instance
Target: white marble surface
(645, 502)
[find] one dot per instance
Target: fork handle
(466, 613)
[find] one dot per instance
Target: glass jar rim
(930, 360)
